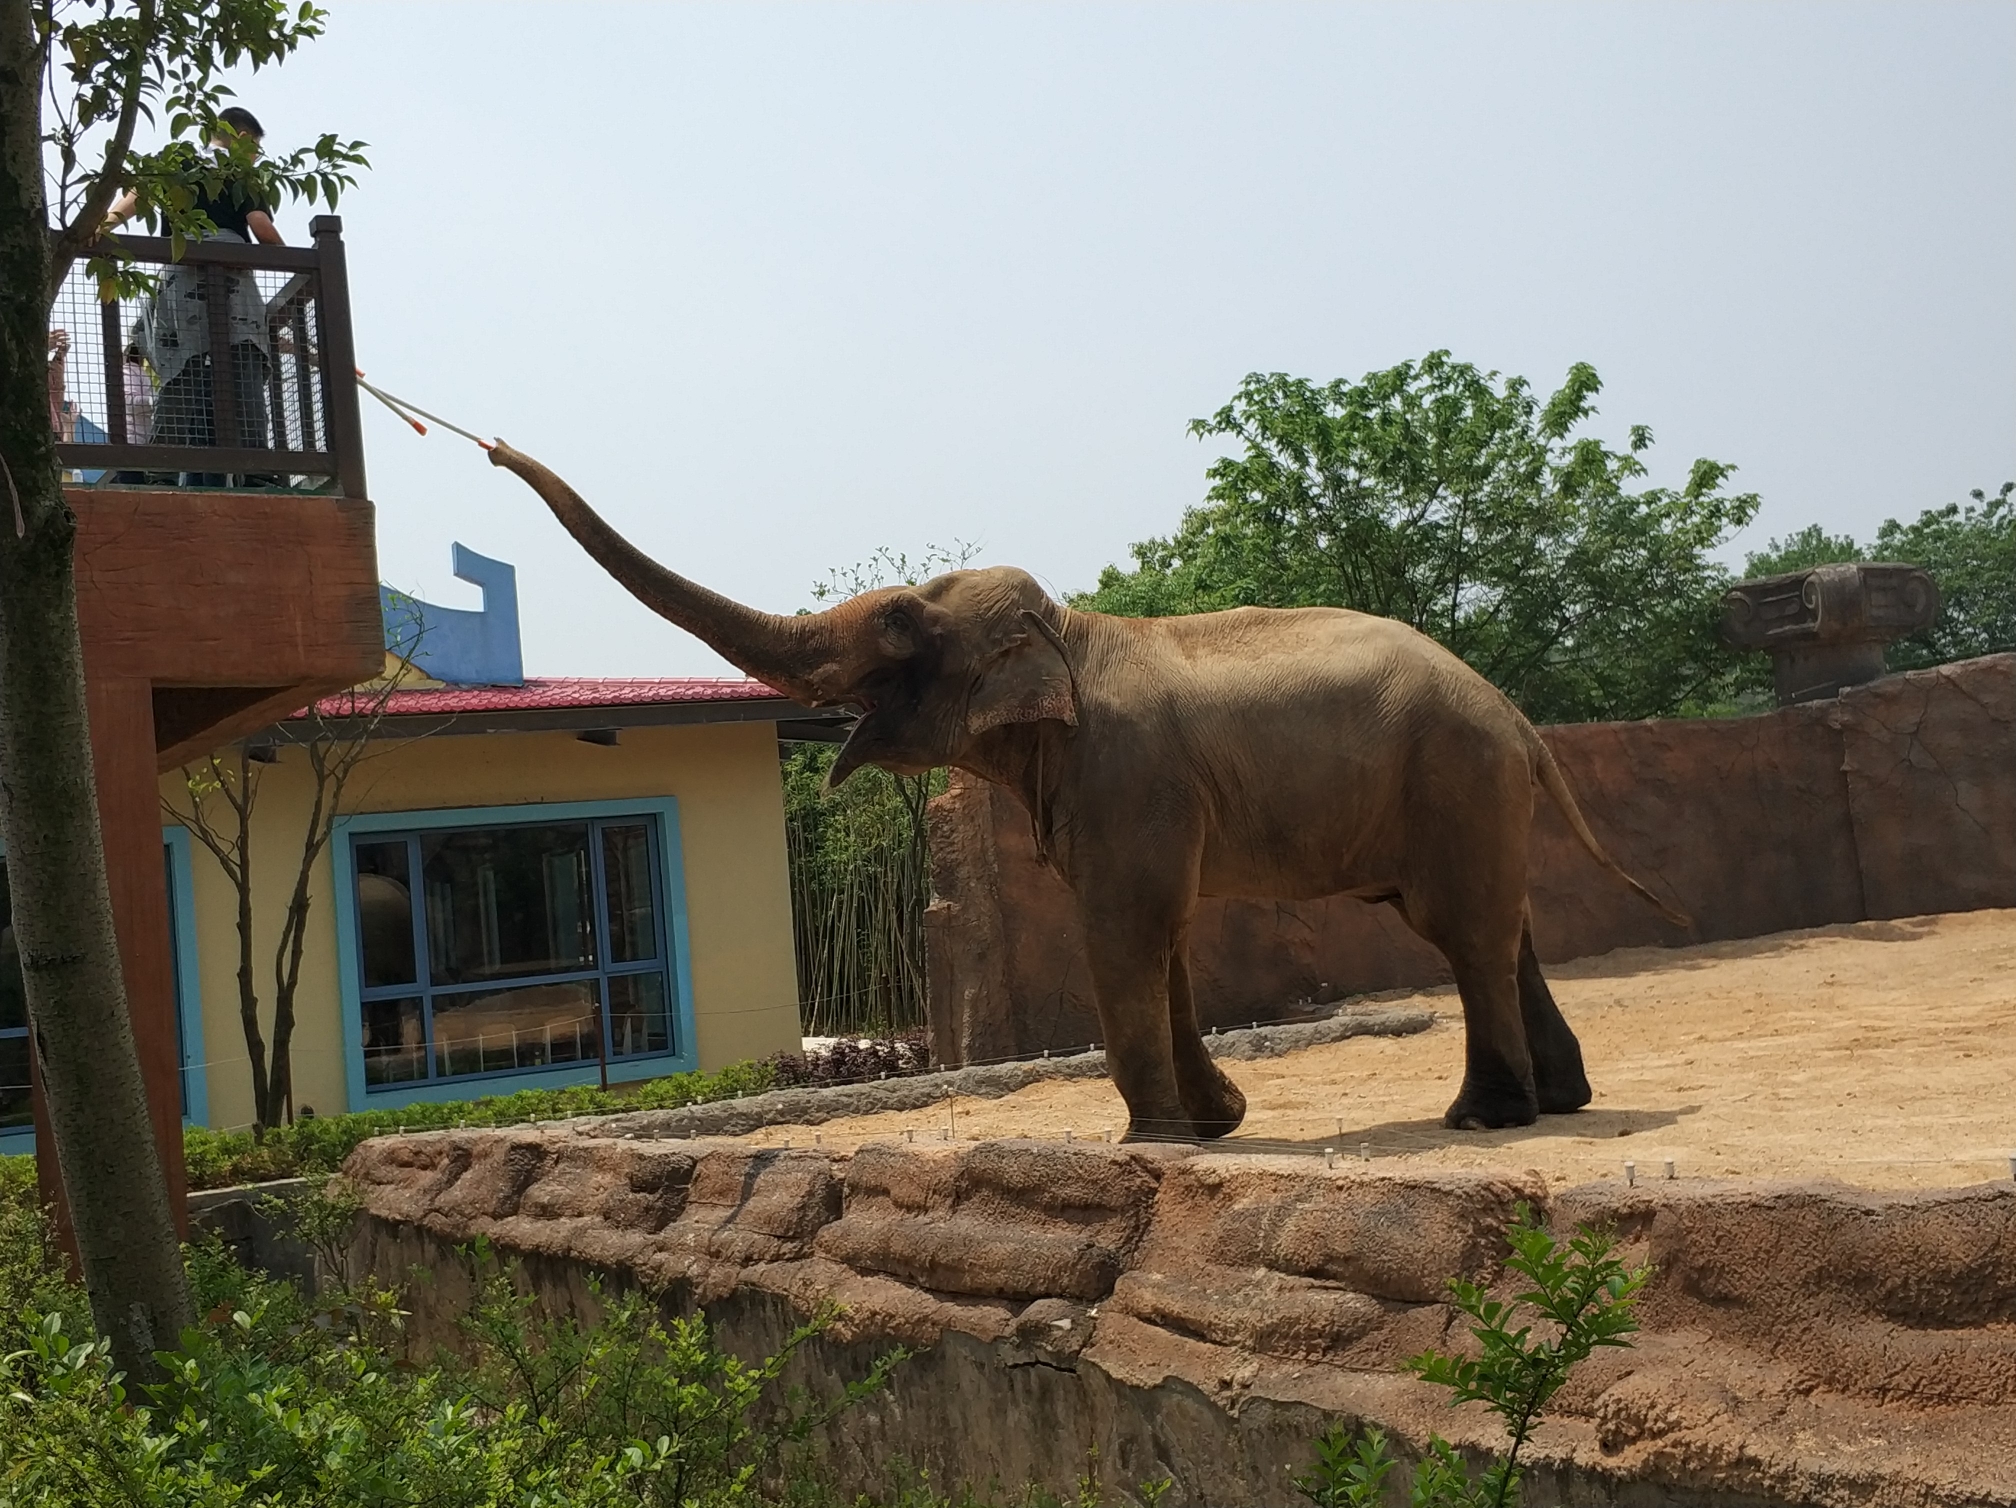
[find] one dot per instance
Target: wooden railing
(142, 405)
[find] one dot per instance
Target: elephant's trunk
(785, 652)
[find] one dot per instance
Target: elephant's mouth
(853, 753)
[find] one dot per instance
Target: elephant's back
(1264, 659)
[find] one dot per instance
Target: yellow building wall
(725, 777)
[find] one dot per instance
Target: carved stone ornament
(1825, 627)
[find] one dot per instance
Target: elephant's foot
(1562, 1093)
(1216, 1109)
(1480, 1108)
(1157, 1128)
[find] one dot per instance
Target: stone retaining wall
(1202, 1315)
(1897, 798)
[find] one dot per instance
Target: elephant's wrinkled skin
(1259, 752)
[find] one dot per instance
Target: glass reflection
(626, 877)
(506, 902)
(489, 1031)
(637, 1020)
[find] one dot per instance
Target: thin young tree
(101, 69)
(219, 794)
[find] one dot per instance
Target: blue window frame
(17, 1127)
(535, 945)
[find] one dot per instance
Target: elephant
(1281, 753)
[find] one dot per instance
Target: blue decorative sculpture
(454, 645)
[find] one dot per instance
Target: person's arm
(59, 367)
(121, 210)
(261, 225)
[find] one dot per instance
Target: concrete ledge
(993, 1081)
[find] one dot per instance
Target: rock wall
(1203, 1315)
(1897, 798)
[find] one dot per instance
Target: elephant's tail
(1557, 787)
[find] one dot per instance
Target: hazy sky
(776, 285)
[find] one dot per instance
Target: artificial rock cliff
(1202, 1315)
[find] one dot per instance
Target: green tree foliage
(1579, 1297)
(1470, 508)
(1970, 551)
(115, 64)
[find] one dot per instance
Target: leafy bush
(316, 1145)
(31, 1271)
(1581, 1297)
(852, 1061)
(273, 1400)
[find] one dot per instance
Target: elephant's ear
(1026, 681)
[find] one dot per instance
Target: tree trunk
(70, 963)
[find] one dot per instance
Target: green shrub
(1581, 1297)
(273, 1400)
(315, 1146)
(32, 1280)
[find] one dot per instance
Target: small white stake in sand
(1340, 1125)
(2012, 1166)
(1067, 1135)
(909, 1135)
(1631, 1175)
(818, 1138)
(1329, 1157)
(1670, 1174)
(787, 1144)
(1364, 1151)
(951, 1119)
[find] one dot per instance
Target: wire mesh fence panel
(215, 356)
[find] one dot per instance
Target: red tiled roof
(551, 693)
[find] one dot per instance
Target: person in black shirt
(175, 328)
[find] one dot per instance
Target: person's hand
(59, 342)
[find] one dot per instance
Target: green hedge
(316, 1147)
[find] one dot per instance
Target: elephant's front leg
(1131, 934)
(1213, 1101)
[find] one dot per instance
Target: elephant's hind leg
(1559, 1080)
(1473, 918)
(1213, 1101)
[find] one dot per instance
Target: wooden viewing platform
(210, 611)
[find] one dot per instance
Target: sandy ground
(1880, 1053)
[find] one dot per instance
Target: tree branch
(83, 230)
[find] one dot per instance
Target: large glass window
(485, 950)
